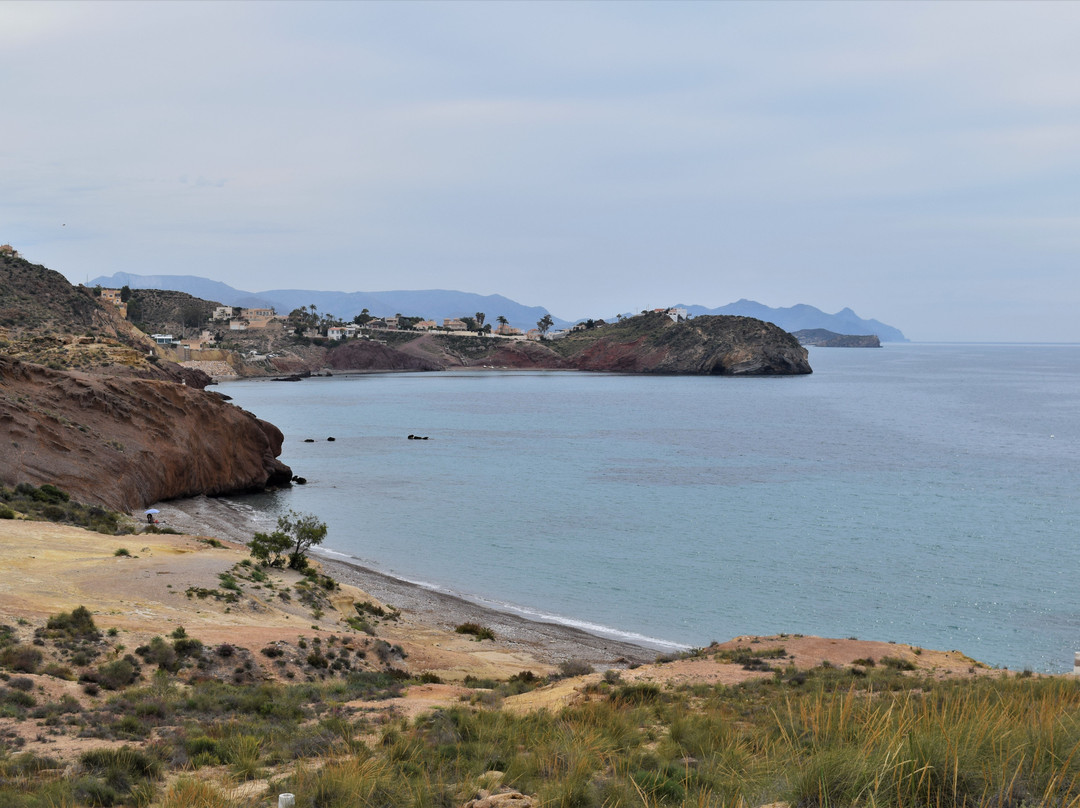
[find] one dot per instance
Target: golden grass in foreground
(831, 737)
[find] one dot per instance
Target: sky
(916, 162)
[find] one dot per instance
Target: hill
(653, 343)
(88, 403)
(47, 321)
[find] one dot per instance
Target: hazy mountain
(435, 304)
(800, 317)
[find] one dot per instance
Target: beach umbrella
(152, 510)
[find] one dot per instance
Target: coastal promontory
(125, 442)
(89, 404)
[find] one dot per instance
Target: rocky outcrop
(649, 343)
(710, 345)
(125, 442)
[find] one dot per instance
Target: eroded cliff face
(126, 442)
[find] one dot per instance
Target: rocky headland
(710, 345)
(823, 338)
(647, 343)
(125, 442)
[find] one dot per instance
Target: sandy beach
(549, 643)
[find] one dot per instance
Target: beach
(548, 643)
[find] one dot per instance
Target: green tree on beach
(299, 531)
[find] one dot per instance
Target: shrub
(160, 653)
(21, 658)
(636, 693)
(367, 607)
(898, 664)
(77, 623)
(16, 697)
(476, 630)
(574, 667)
(118, 673)
(117, 776)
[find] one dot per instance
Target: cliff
(125, 442)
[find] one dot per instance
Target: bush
(21, 683)
(475, 629)
(21, 658)
(78, 623)
(160, 653)
(898, 664)
(117, 674)
(118, 776)
(574, 667)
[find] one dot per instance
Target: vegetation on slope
(50, 504)
(867, 735)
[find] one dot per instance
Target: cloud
(584, 156)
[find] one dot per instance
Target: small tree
(269, 548)
(299, 531)
(544, 323)
(306, 531)
(480, 317)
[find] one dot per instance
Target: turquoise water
(916, 493)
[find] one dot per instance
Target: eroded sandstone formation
(125, 442)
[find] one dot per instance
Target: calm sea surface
(917, 493)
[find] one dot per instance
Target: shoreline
(548, 642)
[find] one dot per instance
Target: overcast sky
(917, 162)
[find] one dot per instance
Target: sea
(916, 493)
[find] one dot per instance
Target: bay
(916, 493)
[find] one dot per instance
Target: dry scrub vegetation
(190, 676)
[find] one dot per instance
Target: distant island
(823, 338)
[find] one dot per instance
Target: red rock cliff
(126, 442)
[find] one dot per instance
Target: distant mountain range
(438, 304)
(435, 304)
(801, 317)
